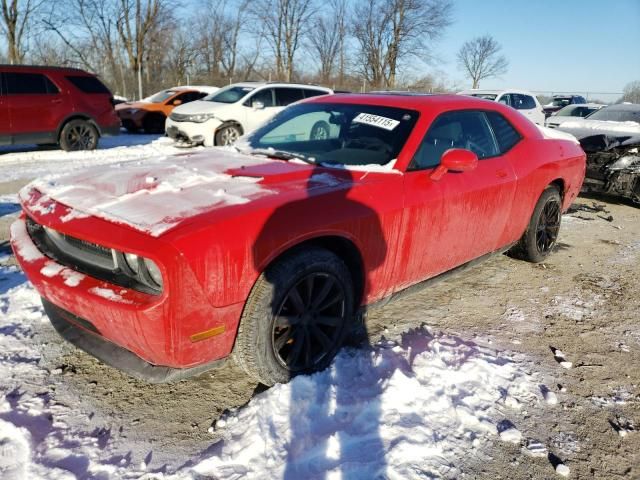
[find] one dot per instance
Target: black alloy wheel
(548, 226)
(309, 322)
(78, 135)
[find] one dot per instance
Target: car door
(258, 109)
(463, 215)
(5, 124)
(35, 106)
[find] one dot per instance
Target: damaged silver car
(611, 139)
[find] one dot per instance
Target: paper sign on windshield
(376, 121)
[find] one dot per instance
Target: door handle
(56, 100)
(501, 173)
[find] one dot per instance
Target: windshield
(229, 94)
(485, 96)
(617, 114)
(346, 134)
(162, 96)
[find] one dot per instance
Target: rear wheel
(319, 131)
(296, 317)
(542, 233)
(78, 135)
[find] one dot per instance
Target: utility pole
(140, 81)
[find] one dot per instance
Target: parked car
(572, 112)
(561, 101)
(611, 139)
(523, 101)
(166, 267)
(53, 105)
(221, 118)
(150, 114)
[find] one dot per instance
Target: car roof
(592, 105)
(633, 107)
(492, 92)
(41, 68)
(413, 101)
(278, 84)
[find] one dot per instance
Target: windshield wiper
(281, 155)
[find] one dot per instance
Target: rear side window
(28, 84)
(88, 84)
(287, 96)
(308, 93)
(265, 96)
(505, 134)
(522, 102)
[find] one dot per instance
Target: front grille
(179, 117)
(85, 257)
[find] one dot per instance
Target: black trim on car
(84, 335)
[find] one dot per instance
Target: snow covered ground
(402, 410)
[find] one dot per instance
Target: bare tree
(16, 15)
(481, 59)
(631, 92)
(135, 27)
(388, 32)
(326, 39)
(285, 24)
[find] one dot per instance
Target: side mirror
(257, 104)
(455, 160)
(177, 102)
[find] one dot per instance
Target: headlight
(199, 117)
(153, 271)
(140, 269)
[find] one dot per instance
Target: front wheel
(227, 135)
(78, 135)
(542, 232)
(296, 317)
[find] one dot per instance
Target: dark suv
(561, 101)
(52, 105)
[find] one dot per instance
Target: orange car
(150, 113)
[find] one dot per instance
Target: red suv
(53, 105)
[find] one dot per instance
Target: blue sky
(572, 45)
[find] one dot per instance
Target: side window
(265, 96)
(28, 83)
(188, 97)
(287, 96)
(308, 93)
(505, 134)
(309, 126)
(465, 129)
(522, 102)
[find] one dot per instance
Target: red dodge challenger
(267, 251)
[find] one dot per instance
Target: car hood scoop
(154, 195)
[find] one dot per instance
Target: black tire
(227, 135)
(541, 234)
(304, 292)
(154, 123)
(320, 131)
(78, 135)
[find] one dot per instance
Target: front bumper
(85, 336)
(163, 330)
(191, 132)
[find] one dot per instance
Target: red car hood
(155, 195)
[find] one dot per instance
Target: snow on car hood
(603, 126)
(153, 195)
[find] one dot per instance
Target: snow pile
(411, 411)
(154, 195)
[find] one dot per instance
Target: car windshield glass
(162, 96)
(485, 96)
(229, 94)
(561, 102)
(616, 114)
(346, 134)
